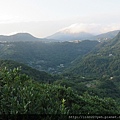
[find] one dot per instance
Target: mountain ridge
(18, 37)
(59, 37)
(106, 36)
(66, 36)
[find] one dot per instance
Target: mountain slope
(98, 72)
(68, 36)
(105, 36)
(104, 60)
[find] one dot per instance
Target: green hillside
(104, 60)
(98, 72)
(51, 57)
(33, 73)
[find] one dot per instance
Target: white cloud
(90, 28)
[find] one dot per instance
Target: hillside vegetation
(98, 72)
(22, 95)
(50, 57)
(40, 76)
(104, 60)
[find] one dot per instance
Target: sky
(42, 18)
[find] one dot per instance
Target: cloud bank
(90, 28)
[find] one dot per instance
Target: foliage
(94, 86)
(21, 95)
(40, 76)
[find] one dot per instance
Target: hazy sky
(42, 18)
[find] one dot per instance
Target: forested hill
(98, 72)
(104, 60)
(40, 76)
(51, 57)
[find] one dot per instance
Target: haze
(42, 18)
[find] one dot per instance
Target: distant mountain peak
(66, 35)
(18, 37)
(23, 34)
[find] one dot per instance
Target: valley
(49, 57)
